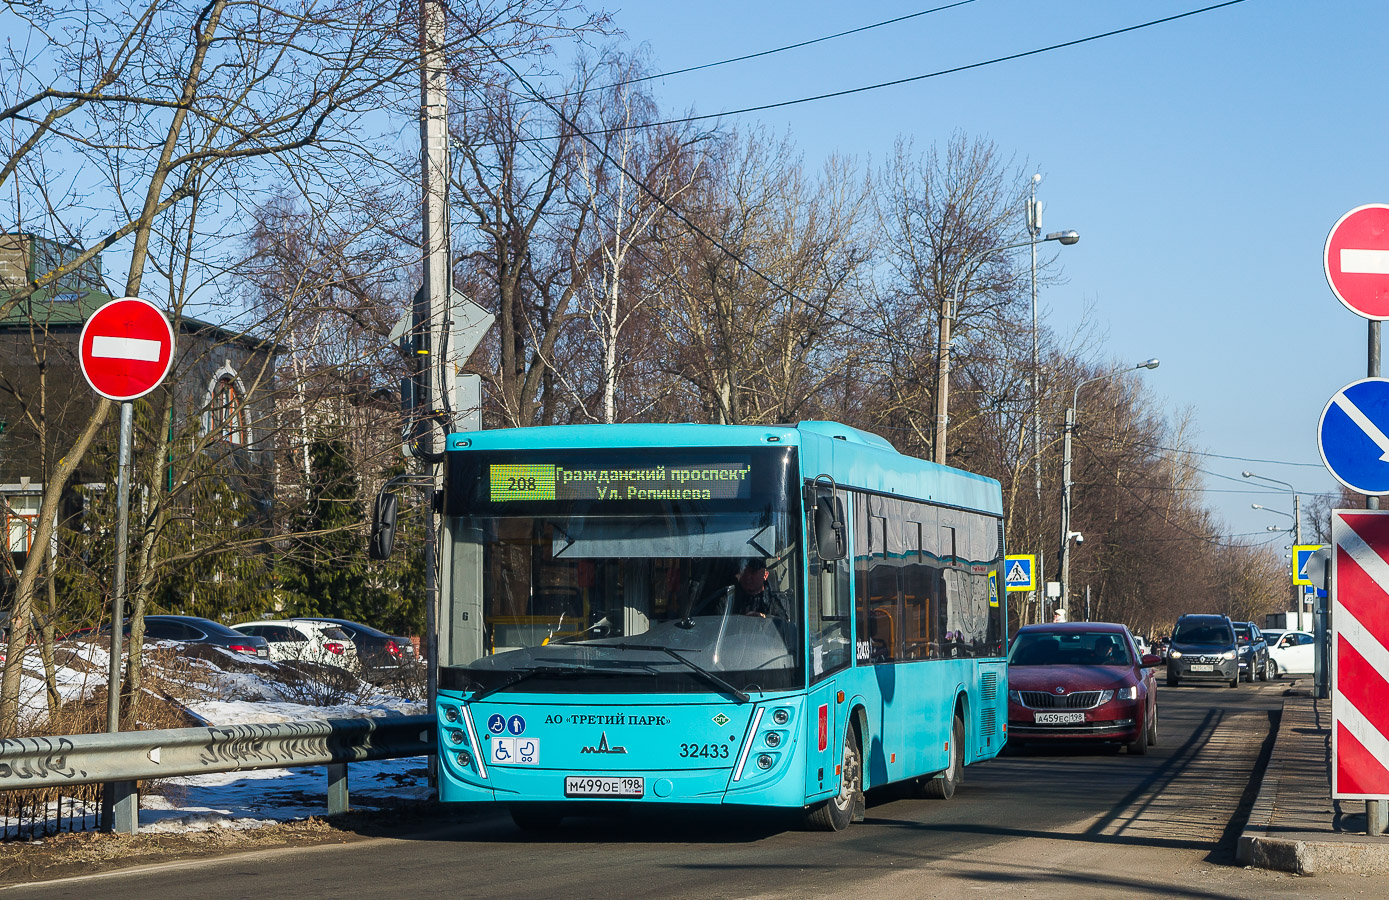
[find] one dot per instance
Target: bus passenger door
(829, 646)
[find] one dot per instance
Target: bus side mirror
(383, 514)
(829, 528)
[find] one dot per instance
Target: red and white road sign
(1357, 260)
(1360, 655)
(126, 348)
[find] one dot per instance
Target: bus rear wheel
(942, 786)
(837, 812)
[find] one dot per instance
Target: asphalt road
(1064, 823)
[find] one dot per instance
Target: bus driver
(753, 597)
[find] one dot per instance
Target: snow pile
(219, 687)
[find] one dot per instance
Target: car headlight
(1105, 697)
(1228, 654)
(1175, 654)
(1015, 696)
(1128, 693)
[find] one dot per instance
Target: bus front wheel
(942, 786)
(837, 812)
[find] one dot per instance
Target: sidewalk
(1294, 825)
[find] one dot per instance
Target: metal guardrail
(40, 762)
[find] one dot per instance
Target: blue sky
(1203, 162)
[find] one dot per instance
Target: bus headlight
(450, 714)
(764, 762)
(456, 736)
(773, 739)
(464, 758)
(781, 716)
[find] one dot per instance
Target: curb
(1304, 852)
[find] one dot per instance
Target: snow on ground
(236, 712)
(243, 690)
(240, 800)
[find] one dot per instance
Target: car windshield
(1070, 648)
(1203, 633)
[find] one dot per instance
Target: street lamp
(1297, 600)
(1266, 509)
(1067, 535)
(949, 309)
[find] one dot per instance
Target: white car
(1292, 653)
(304, 641)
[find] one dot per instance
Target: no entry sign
(1357, 260)
(126, 349)
(1360, 660)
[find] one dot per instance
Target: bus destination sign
(544, 481)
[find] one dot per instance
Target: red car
(1081, 681)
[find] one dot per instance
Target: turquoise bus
(756, 616)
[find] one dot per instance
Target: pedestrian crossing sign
(993, 589)
(1020, 573)
(1300, 554)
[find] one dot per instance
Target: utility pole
(432, 303)
(1374, 809)
(1066, 502)
(1034, 228)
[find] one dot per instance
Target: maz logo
(603, 747)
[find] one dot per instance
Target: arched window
(228, 411)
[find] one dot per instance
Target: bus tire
(837, 812)
(536, 816)
(942, 786)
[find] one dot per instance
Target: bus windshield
(612, 571)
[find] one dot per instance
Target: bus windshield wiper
(713, 679)
(521, 675)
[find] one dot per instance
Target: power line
(665, 204)
(879, 85)
(1155, 446)
(796, 46)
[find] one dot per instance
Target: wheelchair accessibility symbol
(516, 752)
(496, 723)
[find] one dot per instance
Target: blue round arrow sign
(1353, 436)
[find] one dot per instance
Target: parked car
(381, 655)
(197, 630)
(300, 640)
(1081, 681)
(1292, 653)
(1253, 652)
(1203, 647)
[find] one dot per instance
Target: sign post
(125, 351)
(1356, 262)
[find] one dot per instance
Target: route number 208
(521, 484)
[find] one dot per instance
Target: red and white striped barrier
(1360, 655)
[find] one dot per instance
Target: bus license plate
(603, 786)
(1198, 667)
(1059, 718)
